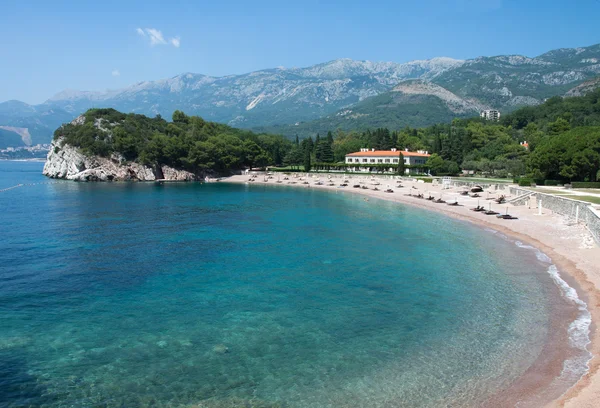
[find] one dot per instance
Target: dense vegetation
(391, 110)
(563, 136)
(188, 142)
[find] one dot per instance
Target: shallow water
(146, 295)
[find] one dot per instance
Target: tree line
(188, 142)
(562, 135)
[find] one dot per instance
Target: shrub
(585, 184)
(552, 182)
(525, 182)
(426, 179)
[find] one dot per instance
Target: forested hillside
(189, 142)
(562, 142)
(563, 137)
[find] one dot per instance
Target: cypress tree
(326, 153)
(401, 164)
(307, 164)
(318, 147)
(330, 138)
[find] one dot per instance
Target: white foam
(579, 329)
(498, 234)
(542, 257)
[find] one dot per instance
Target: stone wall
(563, 206)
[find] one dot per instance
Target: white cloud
(115, 73)
(156, 37)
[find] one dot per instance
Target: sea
(222, 295)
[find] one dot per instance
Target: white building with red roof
(370, 158)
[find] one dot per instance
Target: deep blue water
(131, 295)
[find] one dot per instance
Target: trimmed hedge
(525, 182)
(552, 182)
(585, 184)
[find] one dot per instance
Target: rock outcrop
(68, 162)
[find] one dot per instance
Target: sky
(48, 46)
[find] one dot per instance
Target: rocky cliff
(68, 162)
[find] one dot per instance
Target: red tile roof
(387, 153)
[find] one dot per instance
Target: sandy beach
(570, 246)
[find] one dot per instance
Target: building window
(365, 160)
(372, 160)
(387, 160)
(395, 160)
(379, 161)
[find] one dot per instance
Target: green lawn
(589, 199)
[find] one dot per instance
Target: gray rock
(68, 162)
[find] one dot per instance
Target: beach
(570, 247)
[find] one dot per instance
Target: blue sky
(48, 46)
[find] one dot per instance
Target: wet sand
(571, 248)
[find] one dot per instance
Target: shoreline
(574, 256)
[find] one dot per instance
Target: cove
(183, 294)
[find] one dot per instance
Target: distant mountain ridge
(282, 98)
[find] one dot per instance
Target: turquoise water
(127, 295)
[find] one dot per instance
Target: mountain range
(343, 93)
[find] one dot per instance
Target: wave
(579, 329)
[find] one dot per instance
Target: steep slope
(9, 138)
(258, 98)
(34, 123)
(508, 81)
(414, 103)
(584, 88)
(285, 96)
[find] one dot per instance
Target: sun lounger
(490, 212)
(455, 204)
(506, 217)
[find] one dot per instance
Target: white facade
(491, 115)
(368, 158)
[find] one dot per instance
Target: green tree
(401, 165)
(307, 163)
(435, 164)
